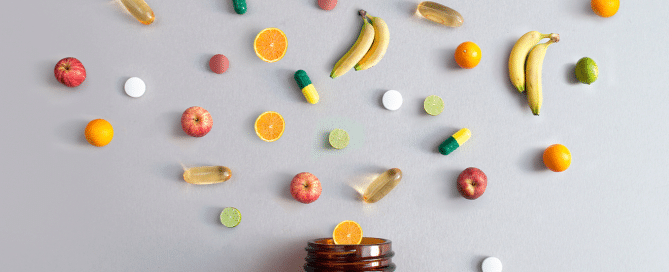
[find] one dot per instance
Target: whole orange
(605, 8)
(557, 158)
(99, 132)
(468, 55)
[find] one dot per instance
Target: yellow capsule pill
(455, 141)
(439, 13)
(140, 10)
(310, 94)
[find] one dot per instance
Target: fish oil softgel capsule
(140, 10)
(440, 14)
(382, 185)
(207, 174)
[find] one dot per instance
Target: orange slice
(347, 233)
(270, 44)
(269, 126)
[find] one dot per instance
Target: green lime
(433, 105)
(338, 138)
(586, 70)
(230, 217)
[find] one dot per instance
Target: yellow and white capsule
(308, 89)
(455, 141)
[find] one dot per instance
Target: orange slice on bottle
(270, 44)
(347, 233)
(269, 126)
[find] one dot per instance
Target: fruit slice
(347, 233)
(230, 217)
(270, 44)
(338, 138)
(433, 105)
(269, 126)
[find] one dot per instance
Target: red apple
(196, 121)
(70, 72)
(305, 187)
(472, 183)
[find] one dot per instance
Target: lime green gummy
(339, 138)
(302, 79)
(230, 217)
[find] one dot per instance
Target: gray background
(68, 206)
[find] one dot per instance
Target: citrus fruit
(586, 70)
(433, 105)
(468, 55)
(605, 8)
(99, 132)
(557, 158)
(269, 126)
(347, 233)
(230, 217)
(270, 44)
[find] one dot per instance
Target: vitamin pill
(140, 10)
(135, 87)
(327, 4)
(338, 138)
(491, 264)
(455, 141)
(230, 217)
(305, 85)
(440, 14)
(240, 6)
(382, 185)
(219, 64)
(433, 105)
(207, 174)
(392, 100)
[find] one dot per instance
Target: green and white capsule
(308, 89)
(455, 141)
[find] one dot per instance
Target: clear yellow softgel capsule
(455, 141)
(140, 10)
(440, 14)
(382, 185)
(207, 174)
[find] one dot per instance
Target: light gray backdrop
(68, 206)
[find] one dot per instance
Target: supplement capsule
(440, 14)
(382, 185)
(207, 174)
(240, 6)
(140, 10)
(455, 141)
(307, 88)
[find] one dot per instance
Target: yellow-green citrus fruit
(586, 70)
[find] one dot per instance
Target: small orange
(557, 158)
(605, 8)
(269, 126)
(99, 132)
(468, 55)
(270, 44)
(347, 233)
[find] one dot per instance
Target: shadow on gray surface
(452, 183)
(204, 62)
(409, 6)
(449, 58)
(289, 257)
(285, 179)
(477, 262)
(72, 133)
(173, 172)
(537, 160)
(212, 215)
(177, 130)
(288, 77)
(570, 73)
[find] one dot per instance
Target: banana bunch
(368, 49)
(525, 65)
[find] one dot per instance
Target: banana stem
(555, 37)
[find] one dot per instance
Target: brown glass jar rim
(366, 241)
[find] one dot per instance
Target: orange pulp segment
(270, 44)
(269, 126)
(347, 233)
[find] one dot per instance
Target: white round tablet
(491, 264)
(135, 87)
(392, 100)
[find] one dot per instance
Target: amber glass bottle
(372, 254)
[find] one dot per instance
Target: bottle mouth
(366, 241)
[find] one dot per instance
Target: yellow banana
(535, 63)
(357, 51)
(519, 55)
(379, 47)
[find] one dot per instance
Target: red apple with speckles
(70, 72)
(305, 187)
(196, 121)
(472, 183)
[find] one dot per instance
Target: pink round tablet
(219, 64)
(327, 4)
